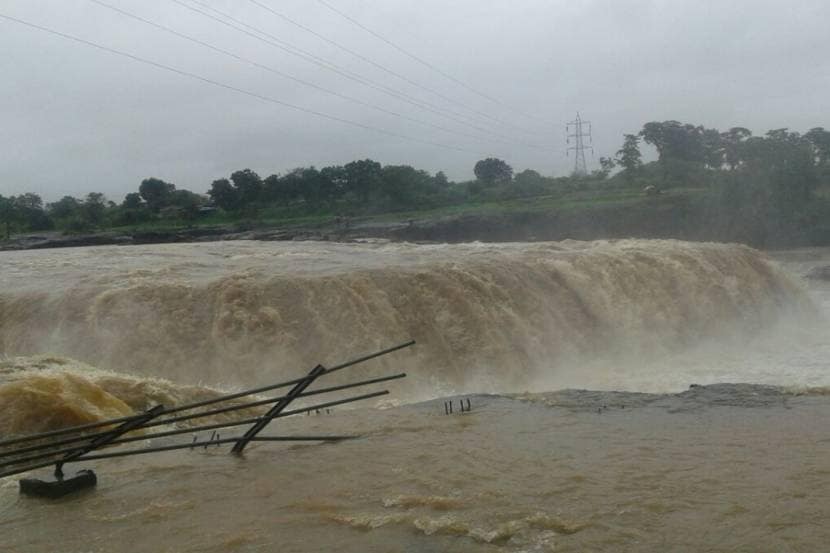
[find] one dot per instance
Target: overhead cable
(384, 68)
(226, 86)
(292, 77)
(422, 61)
(275, 41)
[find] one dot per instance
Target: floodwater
(642, 463)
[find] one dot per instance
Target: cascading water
(92, 333)
(486, 317)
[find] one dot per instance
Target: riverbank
(533, 219)
(684, 214)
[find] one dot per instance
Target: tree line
(362, 187)
(756, 187)
(764, 190)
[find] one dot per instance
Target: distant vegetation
(763, 190)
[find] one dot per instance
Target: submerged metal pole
(289, 413)
(108, 438)
(206, 443)
(226, 397)
(277, 408)
(163, 422)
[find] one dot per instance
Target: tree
(769, 196)
(680, 148)
(629, 157)
(529, 183)
(28, 201)
(787, 160)
(28, 211)
(493, 171)
(7, 215)
(248, 184)
(363, 178)
(314, 186)
(224, 195)
(606, 165)
(406, 186)
(713, 148)
(93, 209)
(732, 142)
(132, 201)
(302, 183)
(186, 204)
(336, 180)
(273, 190)
(65, 208)
(156, 193)
(819, 139)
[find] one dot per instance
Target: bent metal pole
(52, 445)
(289, 413)
(277, 408)
(226, 397)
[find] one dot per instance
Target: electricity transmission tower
(579, 130)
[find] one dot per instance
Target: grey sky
(75, 119)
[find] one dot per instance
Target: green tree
(8, 215)
(224, 195)
(680, 148)
(93, 209)
(629, 157)
(132, 201)
(300, 184)
(248, 184)
(156, 193)
(786, 159)
(285, 190)
(363, 178)
(713, 148)
(606, 165)
(819, 140)
(28, 210)
(28, 201)
(185, 204)
(493, 171)
(336, 180)
(313, 186)
(732, 142)
(529, 183)
(404, 186)
(769, 198)
(64, 208)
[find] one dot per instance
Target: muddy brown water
(643, 463)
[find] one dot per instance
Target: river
(576, 357)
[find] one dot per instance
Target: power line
(231, 87)
(321, 62)
(423, 61)
(383, 67)
(312, 58)
(287, 75)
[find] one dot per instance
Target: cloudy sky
(500, 79)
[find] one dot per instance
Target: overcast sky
(75, 119)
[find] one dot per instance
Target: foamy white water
(634, 315)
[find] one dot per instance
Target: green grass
(573, 201)
(281, 217)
